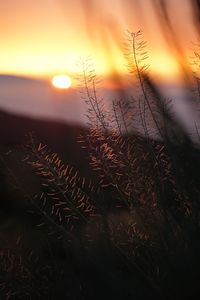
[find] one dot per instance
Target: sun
(61, 81)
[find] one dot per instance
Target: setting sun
(61, 81)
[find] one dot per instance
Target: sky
(42, 38)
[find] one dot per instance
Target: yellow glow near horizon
(61, 81)
(165, 66)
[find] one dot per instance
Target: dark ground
(37, 264)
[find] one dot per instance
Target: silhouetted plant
(147, 176)
(143, 205)
(66, 196)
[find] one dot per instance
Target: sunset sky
(42, 38)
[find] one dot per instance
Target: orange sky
(41, 38)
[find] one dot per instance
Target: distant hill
(59, 137)
(62, 139)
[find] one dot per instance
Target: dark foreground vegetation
(126, 227)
